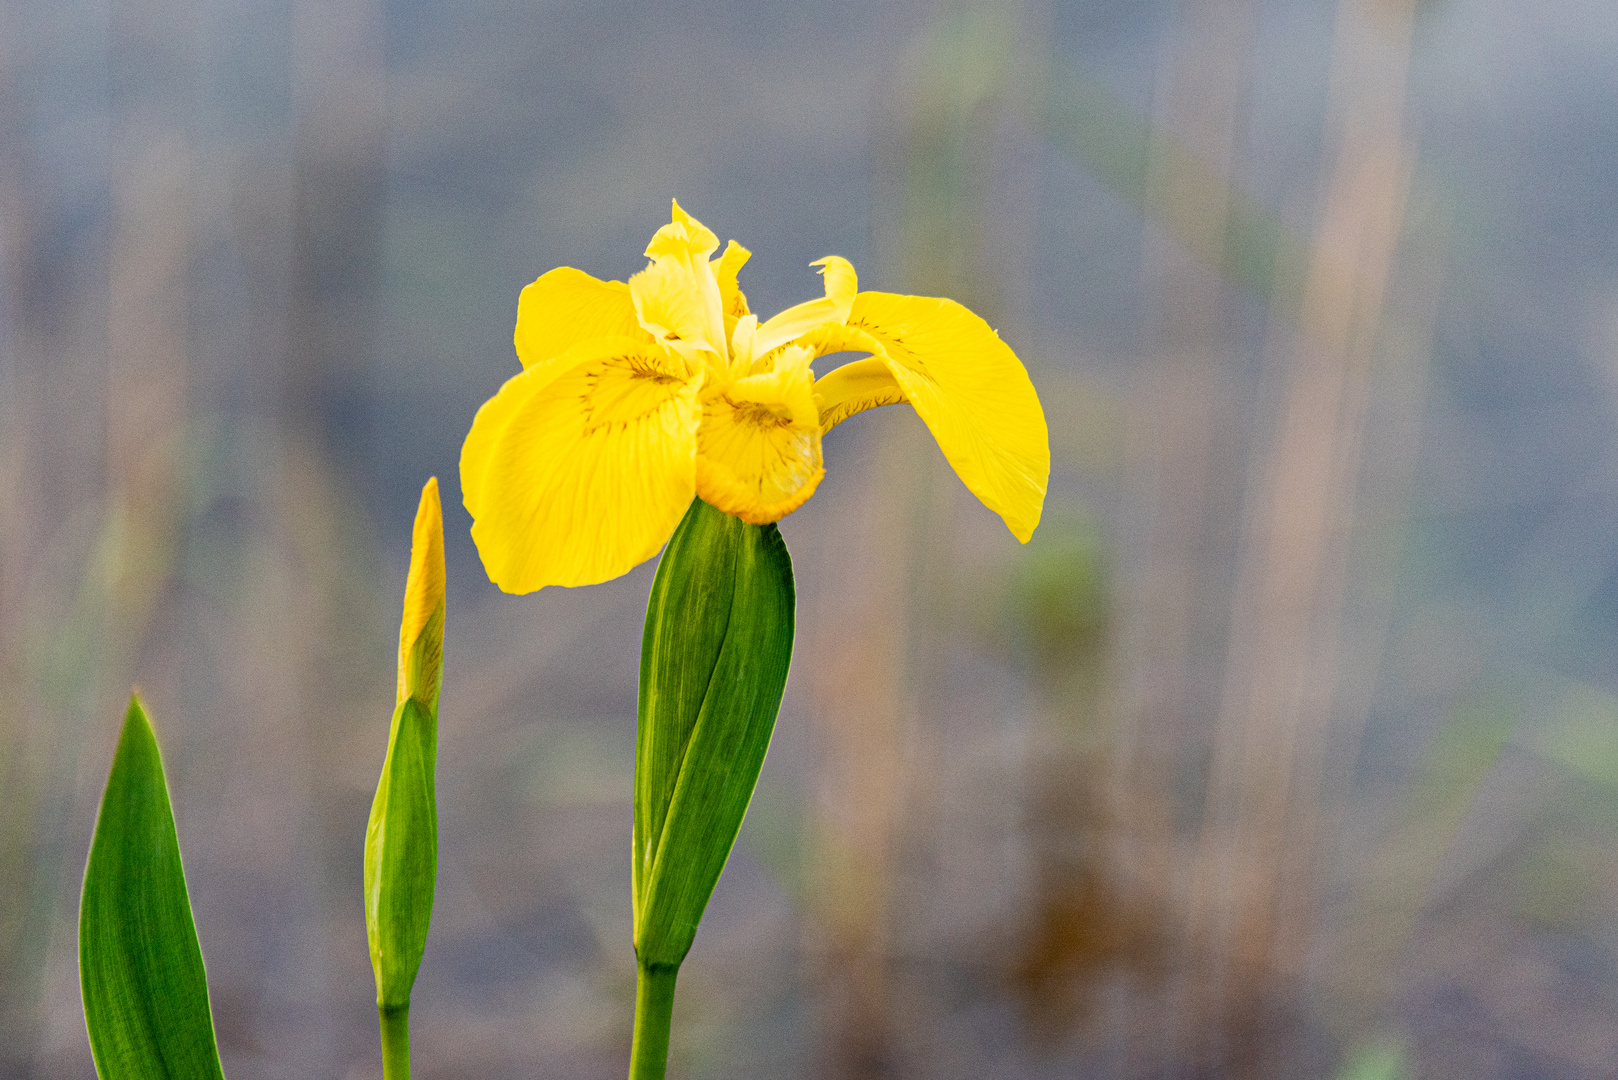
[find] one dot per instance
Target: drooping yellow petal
(758, 450)
(575, 479)
(424, 599)
(972, 392)
(855, 387)
(567, 306)
(800, 319)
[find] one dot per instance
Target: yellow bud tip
(424, 588)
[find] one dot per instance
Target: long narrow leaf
(714, 659)
(140, 966)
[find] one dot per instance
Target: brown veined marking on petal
(574, 480)
(758, 414)
(881, 334)
(772, 449)
(642, 397)
(854, 387)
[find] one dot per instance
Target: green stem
(654, 1006)
(395, 1041)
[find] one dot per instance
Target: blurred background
(1287, 748)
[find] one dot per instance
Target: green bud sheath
(401, 852)
(714, 659)
(140, 966)
(401, 838)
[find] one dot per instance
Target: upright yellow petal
(800, 319)
(567, 306)
(842, 283)
(758, 450)
(730, 292)
(672, 309)
(575, 479)
(677, 297)
(420, 669)
(684, 238)
(972, 392)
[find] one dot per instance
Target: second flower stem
(395, 1042)
(654, 1006)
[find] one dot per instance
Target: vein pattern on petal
(576, 478)
(972, 392)
(853, 388)
(758, 450)
(567, 306)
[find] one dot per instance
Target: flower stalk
(395, 1024)
(654, 1011)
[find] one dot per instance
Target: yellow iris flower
(635, 397)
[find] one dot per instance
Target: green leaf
(714, 659)
(401, 844)
(140, 967)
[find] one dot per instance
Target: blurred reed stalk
(90, 514)
(148, 291)
(1184, 454)
(18, 770)
(894, 598)
(864, 706)
(1256, 874)
(306, 607)
(1244, 617)
(1087, 922)
(339, 85)
(113, 453)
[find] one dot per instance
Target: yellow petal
(672, 308)
(801, 319)
(683, 238)
(424, 599)
(974, 395)
(577, 478)
(677, 297)
(567, 306)
(863, 384)
(758, 450)
(842, 284)
(835, 337)
(730, 293)
(741, 342)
